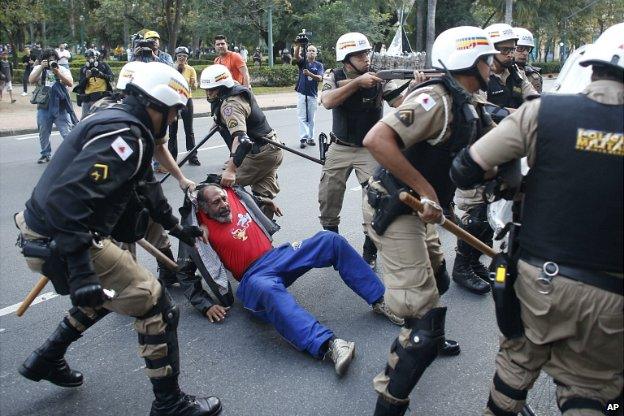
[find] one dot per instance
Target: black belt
(599, 279)
(340, 142)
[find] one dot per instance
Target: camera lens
(53, 65)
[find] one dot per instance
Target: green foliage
(551, 67)
(278, 76)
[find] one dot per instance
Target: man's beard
(224, 216)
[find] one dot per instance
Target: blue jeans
(306, 119)
(44, 125)
(262, 289)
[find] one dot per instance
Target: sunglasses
(506, 50)
(523, 48)
(488, 59)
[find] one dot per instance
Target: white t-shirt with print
(64, 56)
(50, 78)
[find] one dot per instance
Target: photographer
(310, 74)
(146, 49)
(57, 107)
(95, 81)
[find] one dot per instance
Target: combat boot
(381, 308)
(48, 362)
(369, 252)
(385, 408)
(465, 277)
(166, 276)
(171, 401)
(333, 228)
(341, 353)
(478, 268)
(442, 278)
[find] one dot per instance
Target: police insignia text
(611, 143)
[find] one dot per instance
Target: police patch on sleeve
(99, 173)
(326, 86)
(232, 123)
(123, 149)
(228, 111)
(405, 116)
(426, 101)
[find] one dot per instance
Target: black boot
(48, 362)
(442, 278)
(333, 228)
(385, 408)
(171, 401)
(450, 348)
(478, 268)
(166, 276)
(465, 277)
(369, 252)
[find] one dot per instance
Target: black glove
(186, 234)
(84, 285)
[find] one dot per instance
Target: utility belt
(387, 204)
(550, 270)
(336, 140)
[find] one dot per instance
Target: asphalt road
(242, 361)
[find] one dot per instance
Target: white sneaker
(24, 94)
(341, 353)
(382, 308)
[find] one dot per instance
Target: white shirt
(64, 56)
(50, 78)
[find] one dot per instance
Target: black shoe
(450, 348)
(465, 277)
(170, 401)
(311, 142)
(194, 161)
(369, 252)
(332, 229)
(302, 144)
(48, 362)
(479, 269)
(166, 276)
(43, 159)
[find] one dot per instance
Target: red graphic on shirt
(237, 243)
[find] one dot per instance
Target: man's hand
(307, 73)
(228, 177)
(276, 210)
(186, 234)
(432, 212)
(368, 80)
(216, 313)
(186, 183)
(204, 237)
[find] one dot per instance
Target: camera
(54, 65)
(302, 38)
(146, 45)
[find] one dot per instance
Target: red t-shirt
(238, 243)
(233, 61)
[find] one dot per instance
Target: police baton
(450, 226)
(34, 292)
(298, 153)
(193, 151)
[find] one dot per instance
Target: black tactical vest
(434, 162)
(505, 95)
(257, 125)
(573, 206)
(352, 119)
(104, 216)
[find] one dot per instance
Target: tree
(431, 33)
(508, 11)
(16, 14)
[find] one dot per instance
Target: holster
(54, 266)
(324, 143)
(504, 270)
(387, 206)
(133, 222)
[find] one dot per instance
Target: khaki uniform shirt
(515, 136)
(527, 87)
(329, 83)
(234, 113)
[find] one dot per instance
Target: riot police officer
(524, 47)
(568, 288)
(253, 159)
(88, 189)
(355, 97)
(414, 147)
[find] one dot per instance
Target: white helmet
(460, 47)
(500, 32)
(350, 43)
(127, 72)
(608, 48)
(160, 84)
(525, 38)
(215, 76)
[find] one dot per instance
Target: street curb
(17, 132)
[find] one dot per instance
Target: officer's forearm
(163, 156)
(335, 97)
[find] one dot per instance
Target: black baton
(191, 152)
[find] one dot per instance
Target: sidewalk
(21, 117)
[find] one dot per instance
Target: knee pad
(425, 340)
(171, 316)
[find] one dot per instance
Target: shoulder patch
(406, 117)
(123, 149)
(232, 123)
(228, 111)
(426, 101)
(99, 173)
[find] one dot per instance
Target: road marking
(38, 299)
(33, 136)
(205, 148)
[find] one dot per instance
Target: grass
(199, 93)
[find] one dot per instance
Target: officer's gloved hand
(84, 285)
(186, 234)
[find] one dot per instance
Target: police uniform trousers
(259, 171)
(340, 161)
(407, 274)
(137, 291)
(574, 333)
(262, 289)
(155, 234)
